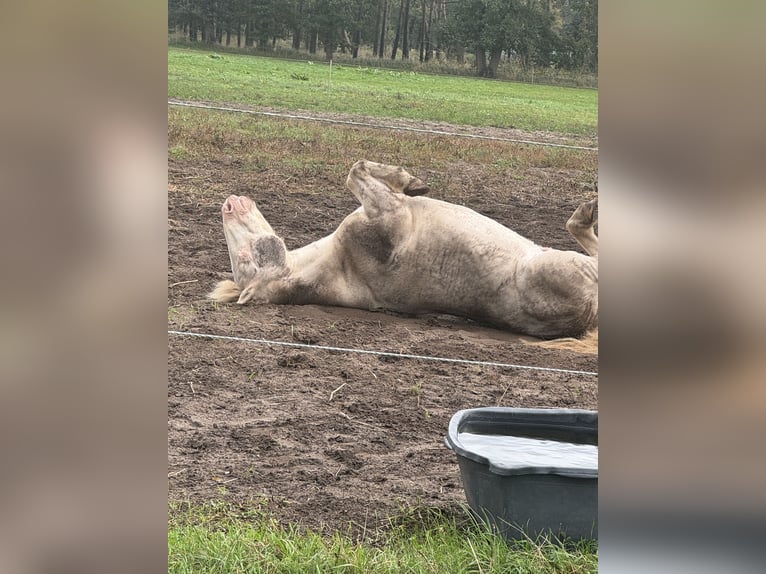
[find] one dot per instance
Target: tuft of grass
(216, 538)
(179, 316)
(178, 152)
(254, 80)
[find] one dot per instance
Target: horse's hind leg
(580, 226)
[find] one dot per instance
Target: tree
(579, 34)
(490, 28)
(363, 23)
(382, 28)
(331, 18)
(463, 29)
(426, 19)
(542, 33)
(265, 21)
(397, 36)
(187, 13)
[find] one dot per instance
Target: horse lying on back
(403, 252)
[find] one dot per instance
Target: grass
(217, 538)
(270, 145)
(293, 85)
(180, 315)
(509, 71)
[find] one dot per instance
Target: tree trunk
(239, 35)
(398, 31)
(494, 61)
(421, 44)
(313, 43)
(406, 31)
(347, 42)
(298, 31)
(481, 62)
(228, 36)
(357, 38)
(329, 49)
(208, 33)
(439, 49)
(249, 34)
(422, 39)
(523, 58)
(383, 28)
(429, 47)
(356, 42)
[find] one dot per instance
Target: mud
(325, 439)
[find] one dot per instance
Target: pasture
(327, 440)
(243, 79)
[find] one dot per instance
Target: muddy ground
(325, 439)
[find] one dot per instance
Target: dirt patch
(327, 439)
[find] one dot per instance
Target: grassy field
(511, 71)
(303, 148)
(292, 85)
(218, 539)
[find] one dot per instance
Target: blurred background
(681, 392)
(83, 228)
(82, 391)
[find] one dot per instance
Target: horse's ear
(269, 251)
(416, 187)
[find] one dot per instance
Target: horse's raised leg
(378, 186)
(580, 226)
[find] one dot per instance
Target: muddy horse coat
(407, 253)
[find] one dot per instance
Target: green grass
(292, 85)
(265, 143)
(216, 538)
(508, 71)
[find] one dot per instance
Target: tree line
(533, 33)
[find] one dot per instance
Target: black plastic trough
(527, 489)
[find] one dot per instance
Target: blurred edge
(82, 167)
(83, 224)
(683, 319)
